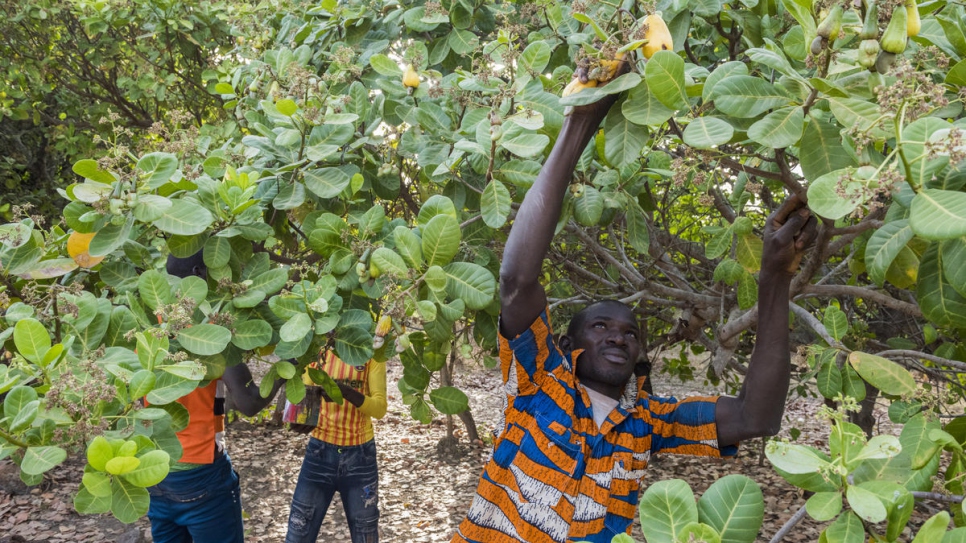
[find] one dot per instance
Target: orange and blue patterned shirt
(555, 476)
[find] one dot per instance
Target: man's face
(611, 341)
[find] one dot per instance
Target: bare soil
(425, 487)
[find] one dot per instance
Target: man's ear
(566, 343)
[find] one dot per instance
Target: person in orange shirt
(341, 455)
(200, 499)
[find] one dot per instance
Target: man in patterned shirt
(579, 432)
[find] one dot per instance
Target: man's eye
(599, 325)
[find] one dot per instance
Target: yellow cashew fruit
(913, 23)
(576, 86)
(657, 35)
(77, 247)
(410, 77)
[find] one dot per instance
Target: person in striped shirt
(341, 455)
(579, 431)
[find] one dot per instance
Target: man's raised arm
(522, 297)
(757, 410)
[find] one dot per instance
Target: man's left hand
(788, 231)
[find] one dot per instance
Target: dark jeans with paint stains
(328, 468)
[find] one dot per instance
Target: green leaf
(915, 442)
(938, 300)
(151, 470)
(637, 230)
(956, 75)
(128, 502)
(353, 345)
(588, 206)
(169, 388)
(836, 322)
(327, 182)
(883, 373)
(526, 145)
(666, 507)
(99, 451)
(409, 246)
(158, 168)
(824, 152)
(471, 283)
(719, 244)
(462, 42)
(89, 169)
(829, 378)
(286, 106)
(865, 504)
(953, 255)
(916, 139)
(794, 459)
(724, 70)
(441, 240)
(88, 504)
(25, 417)
(884, 246)
(449, 400)
(747, 291)
(734, 506)
(39, 460)
(271, 281)
(707, 132)
(642, 107)
(251, 334)
(801, 10)
(938, 214)
(142, 382)
(495, 203)
(933, 529)
(748, 250)
(746, 96)
(779, 129)
(98, 484)
(533, 59)
(295, 328)
(383, 65)
(154, 289)
(852, 384)
(824, 506)
(388, 261)
(204, 339)
(31, 339)
(829, 198)
(848, 528)
(623, 140)
(664, 73)
(185, 218)
(192, 288)
(110, 238)
(186, 369)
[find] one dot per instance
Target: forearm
(537, 217)
(759, 407)
(521, 295)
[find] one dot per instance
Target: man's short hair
(184, 267)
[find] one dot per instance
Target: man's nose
(616, 337)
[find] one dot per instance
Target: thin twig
(796, 518)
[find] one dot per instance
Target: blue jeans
(202, 505)
(328, 468)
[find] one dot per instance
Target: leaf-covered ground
(425, 488)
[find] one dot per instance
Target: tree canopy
(338, 162)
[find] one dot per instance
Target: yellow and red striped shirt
(555, 476)
(346, 424)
